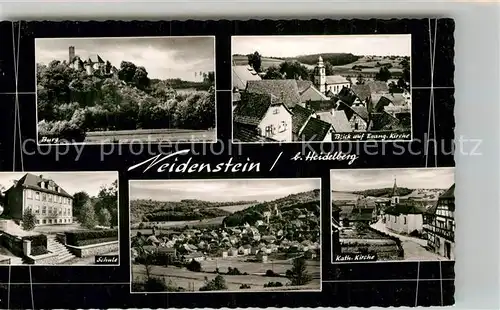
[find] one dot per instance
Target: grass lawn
(185, 279)
(156, 135)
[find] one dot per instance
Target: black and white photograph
(393, 215)
(321, 88)
(118, 90)
(59, 218)
(235, 235)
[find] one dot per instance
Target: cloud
(220, 190)
(71, 182)
(362, 179)
(163, 57)
(292, 46)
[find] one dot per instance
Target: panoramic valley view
(225, 235)
(393, 214)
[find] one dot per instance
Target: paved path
(414, 248)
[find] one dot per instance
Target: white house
(404, 219)
(265, 115)
(328, 83)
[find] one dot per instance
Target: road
(414, 248)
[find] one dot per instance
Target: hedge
(85, 237)
(37, 240)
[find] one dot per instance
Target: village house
(286, 91)
(308, 92)
(441, 230)
(328, 83)
(50, 203)
(243, 74)
(403, 217)
(261, 115)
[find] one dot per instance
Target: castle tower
(71, 53)
(320, 75)
(394, 194)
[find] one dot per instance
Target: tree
(294, 70)
(107, 198)
(255, 60)
(87, 215)
(104, 217)
(79, 199)
(217, 284)
(273, 73)
(383, 75)
(140, 78)
(127, 71)
(298, 275)
(328, 68)
(29, 220)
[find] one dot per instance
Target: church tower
(320, 75)
(71, 54)
(394, 194)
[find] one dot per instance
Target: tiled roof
(245, 133)
(286, 90)
(397, 99)
(252, 108)
(320, 105)
(361, 111)
(299, 118)
(313, 94)
(362, 91)
(336, 79)
(32, 181)
(338, 119)
(348, 95)
(303, 85)
(403, 209)
(242, 74)
(95, 59)
(315, 130)
(383, 121)
(449, 194)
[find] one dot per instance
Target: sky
(163, 57)
(71, 182)
(360, 179)
(220, 190)
(292, 46)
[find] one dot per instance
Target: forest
(99, 210)
(142, 210)
(72, 103)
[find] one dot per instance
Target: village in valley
(393, 214)
(322, 94)
(252, 235)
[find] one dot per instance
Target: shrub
(244, 286)
(273, 284)
(217, 284)
(270, 273)
(233, 271)
(194, 266)
(29, 220)
(38, 250)
(155, 285)
(79, 238)
(37, 240)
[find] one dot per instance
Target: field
(166, 226)
(185, 279)
(344, 69)
(344, 196)
(236, 208)
(151, 135)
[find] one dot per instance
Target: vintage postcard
(118, 90)
(234, 235)
(393, 215)
(59, 218)
(321, 88)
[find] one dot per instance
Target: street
(414, 248)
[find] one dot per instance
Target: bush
(273, 284)
(415, 233)
(157, 259)
(194, 266)
(37, 240)
(270, 273)
(29, 220)
(244, 286)
(79, 238)
(38, 250)
(233, 271)
(155, 285)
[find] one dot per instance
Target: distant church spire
(394, 194)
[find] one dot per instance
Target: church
(328, 84)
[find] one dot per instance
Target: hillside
(142, 210)
(335, 59)
(72, 103)
(252, 214)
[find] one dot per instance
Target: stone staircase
(62, 251)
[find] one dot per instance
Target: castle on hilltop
(93, 64)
